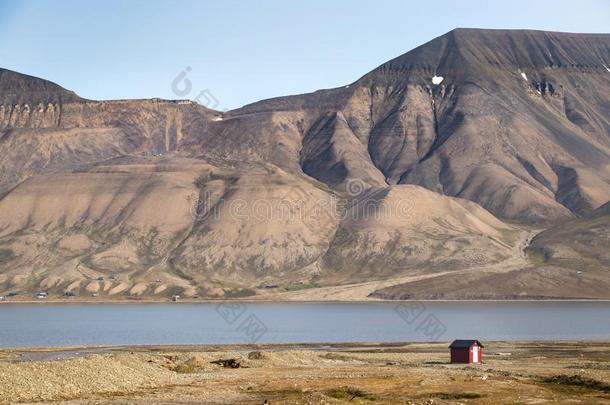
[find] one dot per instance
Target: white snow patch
(347, 87)
(217, 119)
(437, 79)
(607, 68)
(524, 76)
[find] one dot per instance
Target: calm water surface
(37, 325)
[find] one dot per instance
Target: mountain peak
(17, 87)
(513, 49)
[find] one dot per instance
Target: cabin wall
(460, 355)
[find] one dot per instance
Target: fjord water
(52, 325)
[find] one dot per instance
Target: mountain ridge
(522, 88)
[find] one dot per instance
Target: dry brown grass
(346, 374)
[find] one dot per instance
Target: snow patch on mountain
(437, 80)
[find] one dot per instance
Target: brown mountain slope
(408, 226)
(581, 244)
(339, 186)
(569, 260)
(158, 226)
(17, 88)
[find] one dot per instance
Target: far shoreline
(83, 350)
(54, 301)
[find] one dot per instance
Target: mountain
(568, 259)
(518, 123)
(582, 243)
(430, 174)
(18, 89)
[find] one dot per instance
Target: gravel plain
(415, 373)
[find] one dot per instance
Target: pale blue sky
(249, 50)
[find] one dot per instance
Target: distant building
(175, 298)
(466, 351)
(268, 286)
(42, 295)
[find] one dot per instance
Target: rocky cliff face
(66, 135)
(411, 169)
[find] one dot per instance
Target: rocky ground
(525, 372)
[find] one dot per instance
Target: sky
(232, 53)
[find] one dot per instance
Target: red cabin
(466, 351)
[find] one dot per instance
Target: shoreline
(285, 301)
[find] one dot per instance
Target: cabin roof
(464, 343)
